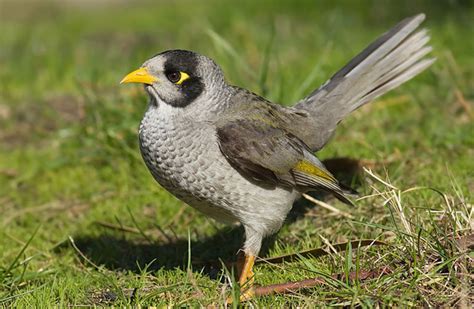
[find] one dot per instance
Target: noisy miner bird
(236, 156)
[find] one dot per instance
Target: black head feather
(184, 61)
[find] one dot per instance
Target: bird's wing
(392, 59)
(268, 154)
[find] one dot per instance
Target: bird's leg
(246, 275)
(244, 267)
(247, 278)
(253, 242)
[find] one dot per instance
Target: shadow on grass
(120, 253)
(208, 253)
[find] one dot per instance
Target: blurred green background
(70, 164)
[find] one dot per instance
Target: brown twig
(294, 286)
(314, 253)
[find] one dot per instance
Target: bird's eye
(174, 77)
(177, 77)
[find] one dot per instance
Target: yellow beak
(139, 76)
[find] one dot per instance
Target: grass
(83, 222)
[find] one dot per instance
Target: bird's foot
(245, 295)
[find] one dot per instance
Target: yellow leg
(246, 276)
(246, 279)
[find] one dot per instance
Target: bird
(237, 157)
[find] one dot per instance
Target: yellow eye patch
(183, 76)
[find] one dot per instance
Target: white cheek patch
(167, 111)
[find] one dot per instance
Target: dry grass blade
(466, 105)
(73, 244)
(327, 206)
(117, 227)
(161, 235)
(318, 252)
(376, 177)
(393, 198)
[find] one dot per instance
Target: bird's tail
(394, 58)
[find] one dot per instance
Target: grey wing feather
(259, 150)
(391, 60)
(269, 154)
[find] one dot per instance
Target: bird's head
(178, 77)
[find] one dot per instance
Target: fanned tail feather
(394, 58)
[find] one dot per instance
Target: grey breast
(183, 156)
